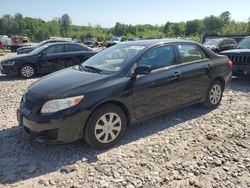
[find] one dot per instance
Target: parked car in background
(91, 42)
(119, 86)
(240, 56)
(220, 44)
(17, 42)
(114, 41)
(133, 39)
(45, 59)
(6, 41)
(28, 49)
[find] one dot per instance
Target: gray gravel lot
(192, 147)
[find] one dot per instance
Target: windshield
(113, 59)
(212, 42)
(244, 44)
(38, 50)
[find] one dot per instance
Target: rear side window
(159, 57)
(75, 48)
(54, 49)
(190, 53)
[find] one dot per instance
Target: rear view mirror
(142, 70)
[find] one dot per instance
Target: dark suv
(220, 44)
(240, 56)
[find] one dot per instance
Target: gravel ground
(192, 147)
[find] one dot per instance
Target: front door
(159, 90)
(52, 58)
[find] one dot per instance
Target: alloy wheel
(27, 71)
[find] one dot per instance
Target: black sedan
(119, 86)
(28, 49)
(45, 59)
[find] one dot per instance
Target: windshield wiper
(93, 69)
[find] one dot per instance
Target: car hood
(65, 83)
(26, 48)
(236, 51)
(17, 57)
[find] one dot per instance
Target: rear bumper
(55, 131)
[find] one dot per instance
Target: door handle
(209, 67)
(176, 75)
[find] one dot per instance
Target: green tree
(213, 24)
(226, 17)
(65, 22)
(235, 28)
(194, 27)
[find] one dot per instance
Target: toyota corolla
(131, 81)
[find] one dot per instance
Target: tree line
(38, 29)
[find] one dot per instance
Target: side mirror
(43, 53)
(142, 70)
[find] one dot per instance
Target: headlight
(60, 104)
(8, 62)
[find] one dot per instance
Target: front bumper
(55, 131)
(8, 70)
(240, 70)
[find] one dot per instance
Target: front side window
(159, 57)
(190, 53)
(54, 49)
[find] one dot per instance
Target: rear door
(159, 90)
(74, 54)
(52, 58)
(196, 70)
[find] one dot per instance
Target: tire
(214, 95)
(27, 71)
(100, 134)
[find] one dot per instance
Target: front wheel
(214, 95)
(105, 127)
(27, 71)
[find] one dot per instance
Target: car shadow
(21, 158)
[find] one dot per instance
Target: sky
(108, 12)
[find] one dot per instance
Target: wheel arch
(118, 103)
(28, 63)
(222, 80)
(121, 105)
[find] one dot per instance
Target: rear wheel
(214, 95)
(106, 126)
(27, 71)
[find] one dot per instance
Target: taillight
(230, 64)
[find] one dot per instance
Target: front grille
(29, 104)
(240, 60)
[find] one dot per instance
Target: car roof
(153, 42)
(54, 43)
